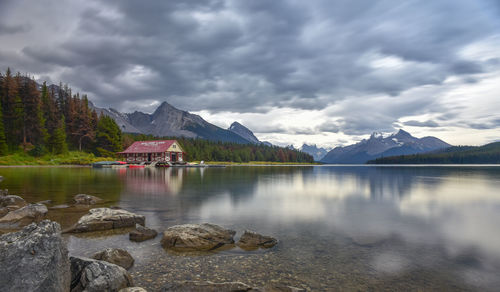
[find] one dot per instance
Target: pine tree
(3, 142)
(9, 100)
(108, 137)
(33, 121)
(57, 141)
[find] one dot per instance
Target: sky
(325, 72)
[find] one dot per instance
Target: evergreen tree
(33, 121)
(57, 141)
(3, 142)
(108, 137)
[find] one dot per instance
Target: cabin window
(174, 146)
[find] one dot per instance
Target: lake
(339, 227)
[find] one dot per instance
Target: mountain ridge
(317, 152)
(167, 120)
(400, 143)
(244, 132)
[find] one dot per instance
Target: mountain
(486, 154)
(244, 132)
(317, 153)
(120, 119)
(167, 120)
(400, 143)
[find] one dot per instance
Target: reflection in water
(350, 227)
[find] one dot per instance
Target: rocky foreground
(35, 258)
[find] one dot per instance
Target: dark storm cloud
(428, 123)
(490, 124)
(249, 56)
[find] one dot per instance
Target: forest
(486, 154)
(51, 119)
(201, 149)
(44, 120)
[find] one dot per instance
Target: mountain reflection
(453, 206)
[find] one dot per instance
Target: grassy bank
(257, 163)
(72, 157)
(83, 158)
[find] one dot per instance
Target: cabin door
(174, 157)
(149, 156)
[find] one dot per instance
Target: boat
(104, 164)
(136, 166)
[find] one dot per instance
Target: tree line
(201, 149)
(51, 119)
(486, 154)
(42, 119)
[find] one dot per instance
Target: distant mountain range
(400, 143)
(486, 154)
(167, 120)
(316, 152)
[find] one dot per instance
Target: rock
(281, 288)
(207, 286)
(133, 289)
(4, 211)
(34, 259)
(142, 233)
(62, 206)
(46, 202)
(105, 219)
(12, 200)
(193, 237)
(24, 216)
(115, 256)
(251, 240)
(83, 199)
(93, 275)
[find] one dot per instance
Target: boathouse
(151, 151)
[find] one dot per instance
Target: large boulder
(115, 256)
(142, 233)
(34, 259)
(94, 275)
(105, 219)
(196, 237)
(251, 240)
(24, 216)
(83, 199)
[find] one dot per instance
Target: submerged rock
(24, 216)
(142, 233)
(252, 240)
(133, 289)
(105, 219)
(207, 286)
(34, 259)
(4, 211)
(94, 275)
(62, 206)
(115, 256)
(196, 237)
(281, 288)
(12, 201)
(83, 199)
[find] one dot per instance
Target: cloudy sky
(322, 71)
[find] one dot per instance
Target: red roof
(149, 146)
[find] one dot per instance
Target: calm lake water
(340, 227)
